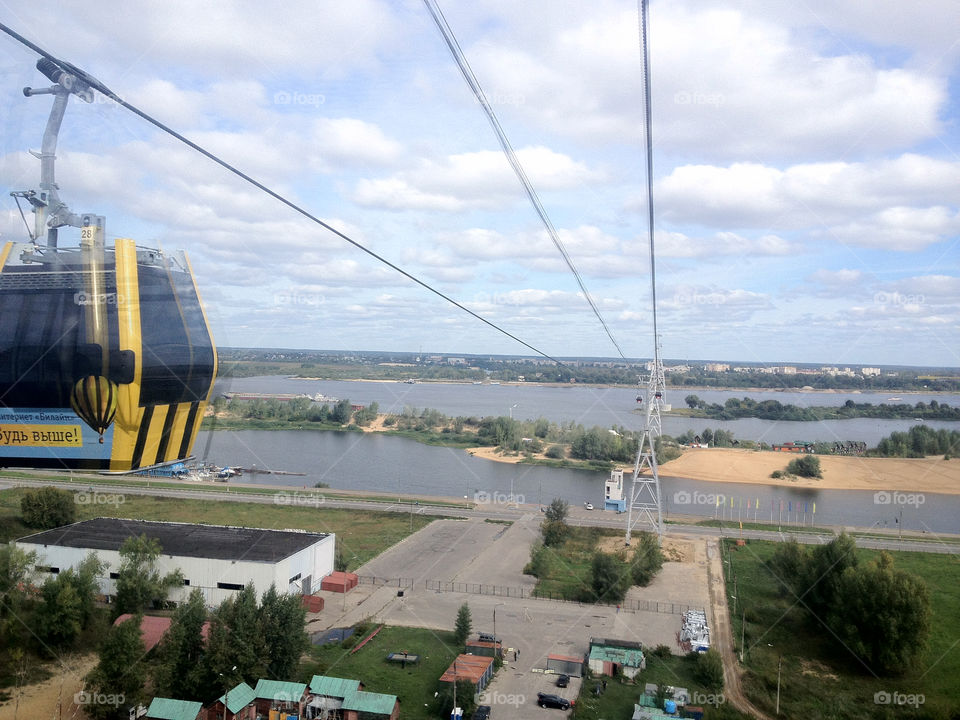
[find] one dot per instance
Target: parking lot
(474, 551)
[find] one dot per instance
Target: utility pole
(743, 630)
(779, 660)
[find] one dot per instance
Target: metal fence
(658, 606)
(384, 582)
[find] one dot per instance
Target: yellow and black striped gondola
(106, 358)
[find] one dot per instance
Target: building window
(229, 586)
(295, 578)
(114, 576)
(49, 569)
(186, 581)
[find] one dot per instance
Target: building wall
(204, 573)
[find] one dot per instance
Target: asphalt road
(578, 516)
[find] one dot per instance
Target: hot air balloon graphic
(94, 399)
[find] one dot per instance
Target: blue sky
(807, 160)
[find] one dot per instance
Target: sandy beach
(932, 475)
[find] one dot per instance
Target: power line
(95, 84)
(481, 97)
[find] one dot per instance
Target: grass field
(618, 699)
(568, 573)
(363, 535)
(414, 685)
(820, 679)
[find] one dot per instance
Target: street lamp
(496, 639)
(226, 694)
(511, 409)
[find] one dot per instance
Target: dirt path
(721, 636)
(39, 701)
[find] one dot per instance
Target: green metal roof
(239, 697)
(168, 709)
(333, 686)
(369, 702)
(279, 690)
(623, 656)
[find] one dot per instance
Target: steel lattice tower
(645, 505)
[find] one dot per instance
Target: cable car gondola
(106, 358)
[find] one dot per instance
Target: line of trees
(919, 441)
(736, 408)
(878, 613)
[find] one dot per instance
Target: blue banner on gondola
(49, 433)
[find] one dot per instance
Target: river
(387, 465)
(606, 407)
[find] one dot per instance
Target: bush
(48, 508)
(709, 670)
(555, 452)
(661, 651)
(806, 466)
(776, 474)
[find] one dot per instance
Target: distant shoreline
(686, 389)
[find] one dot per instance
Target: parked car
(588, 506)
(546, 700)
(482, 712)
(563, 680)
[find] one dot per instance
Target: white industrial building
(217, 559)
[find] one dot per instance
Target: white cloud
(481, 179)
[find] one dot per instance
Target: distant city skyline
(806, 160)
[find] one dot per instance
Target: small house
(238, 703)
(565, 665)
(277, 699)
(609, 657)
(169, 709)
(475, 668)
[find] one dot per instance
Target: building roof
(152, 628)
(624, 656)
(239, 697)
(219, 542)
(369, 702)
(167, 709)
(467, 667)
(565, 658)
(279, 690)
(333, 686)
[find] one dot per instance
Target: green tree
(57, 619)
(48, 508)
(709, 670)
(463, 625)
(85, 579)
(610, 578)
(341, 412)
(117, 682)
(558, 510)
(282, 619)
(692, 401)
(180, 668)
(139, 584)
(806, 466)
(16, 572)
(236, 638)
(883, 615)
(647, 559)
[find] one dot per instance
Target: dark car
(482, 712)
(545, 700)
(563, 680)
